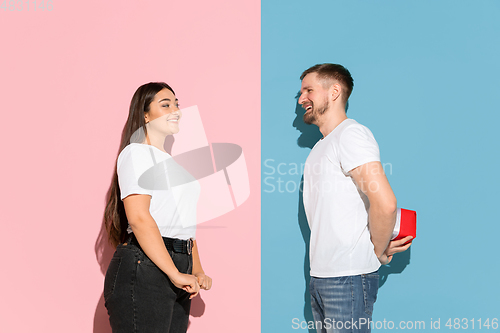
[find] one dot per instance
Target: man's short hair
(333, 72)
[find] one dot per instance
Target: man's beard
(310, 117)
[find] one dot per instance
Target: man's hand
(397, 246)
(204, 281)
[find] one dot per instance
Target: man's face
(313, 98)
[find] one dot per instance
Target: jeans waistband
(172, 244)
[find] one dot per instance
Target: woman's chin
(172, 129)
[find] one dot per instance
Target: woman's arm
(146, 231)
(204, 281)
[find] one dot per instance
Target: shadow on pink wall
(104, 252)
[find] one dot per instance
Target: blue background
(426, 80)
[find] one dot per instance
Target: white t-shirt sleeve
(357, 146)
(131, 165)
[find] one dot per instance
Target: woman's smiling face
(164, 114)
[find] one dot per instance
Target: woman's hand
(395, 247)
(204, 281)
(186, 282)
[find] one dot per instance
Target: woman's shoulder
(133, 151)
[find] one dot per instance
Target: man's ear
(335, 91)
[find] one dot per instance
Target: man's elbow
(390, 207)
(387, 207)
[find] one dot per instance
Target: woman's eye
(166, 105)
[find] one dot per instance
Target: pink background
(67, 77)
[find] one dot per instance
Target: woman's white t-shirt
(145, 169)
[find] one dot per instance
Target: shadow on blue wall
(396, 266)
(306, 235)
(309, 135)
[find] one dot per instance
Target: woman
(156, 269)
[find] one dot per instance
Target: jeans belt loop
(189, 246)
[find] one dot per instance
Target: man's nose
(301, 99)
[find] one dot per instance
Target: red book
(406, 224)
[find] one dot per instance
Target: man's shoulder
(347, 126)
(352, 128)
(352, 124)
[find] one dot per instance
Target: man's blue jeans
(344, 304)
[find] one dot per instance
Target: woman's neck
(156, 141)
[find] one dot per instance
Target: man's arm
(371, 180)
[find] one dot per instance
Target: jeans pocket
(370, 290)
(111, 274)
(146, 261)
(182, 261)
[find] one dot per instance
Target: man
(349, 204)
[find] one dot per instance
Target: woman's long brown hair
(114, 215)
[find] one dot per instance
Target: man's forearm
(371, 180)
(382, 221)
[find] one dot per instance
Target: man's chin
(309, 119)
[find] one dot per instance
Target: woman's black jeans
(140, 298)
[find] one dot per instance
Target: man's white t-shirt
(337, 212)
(145, 169)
